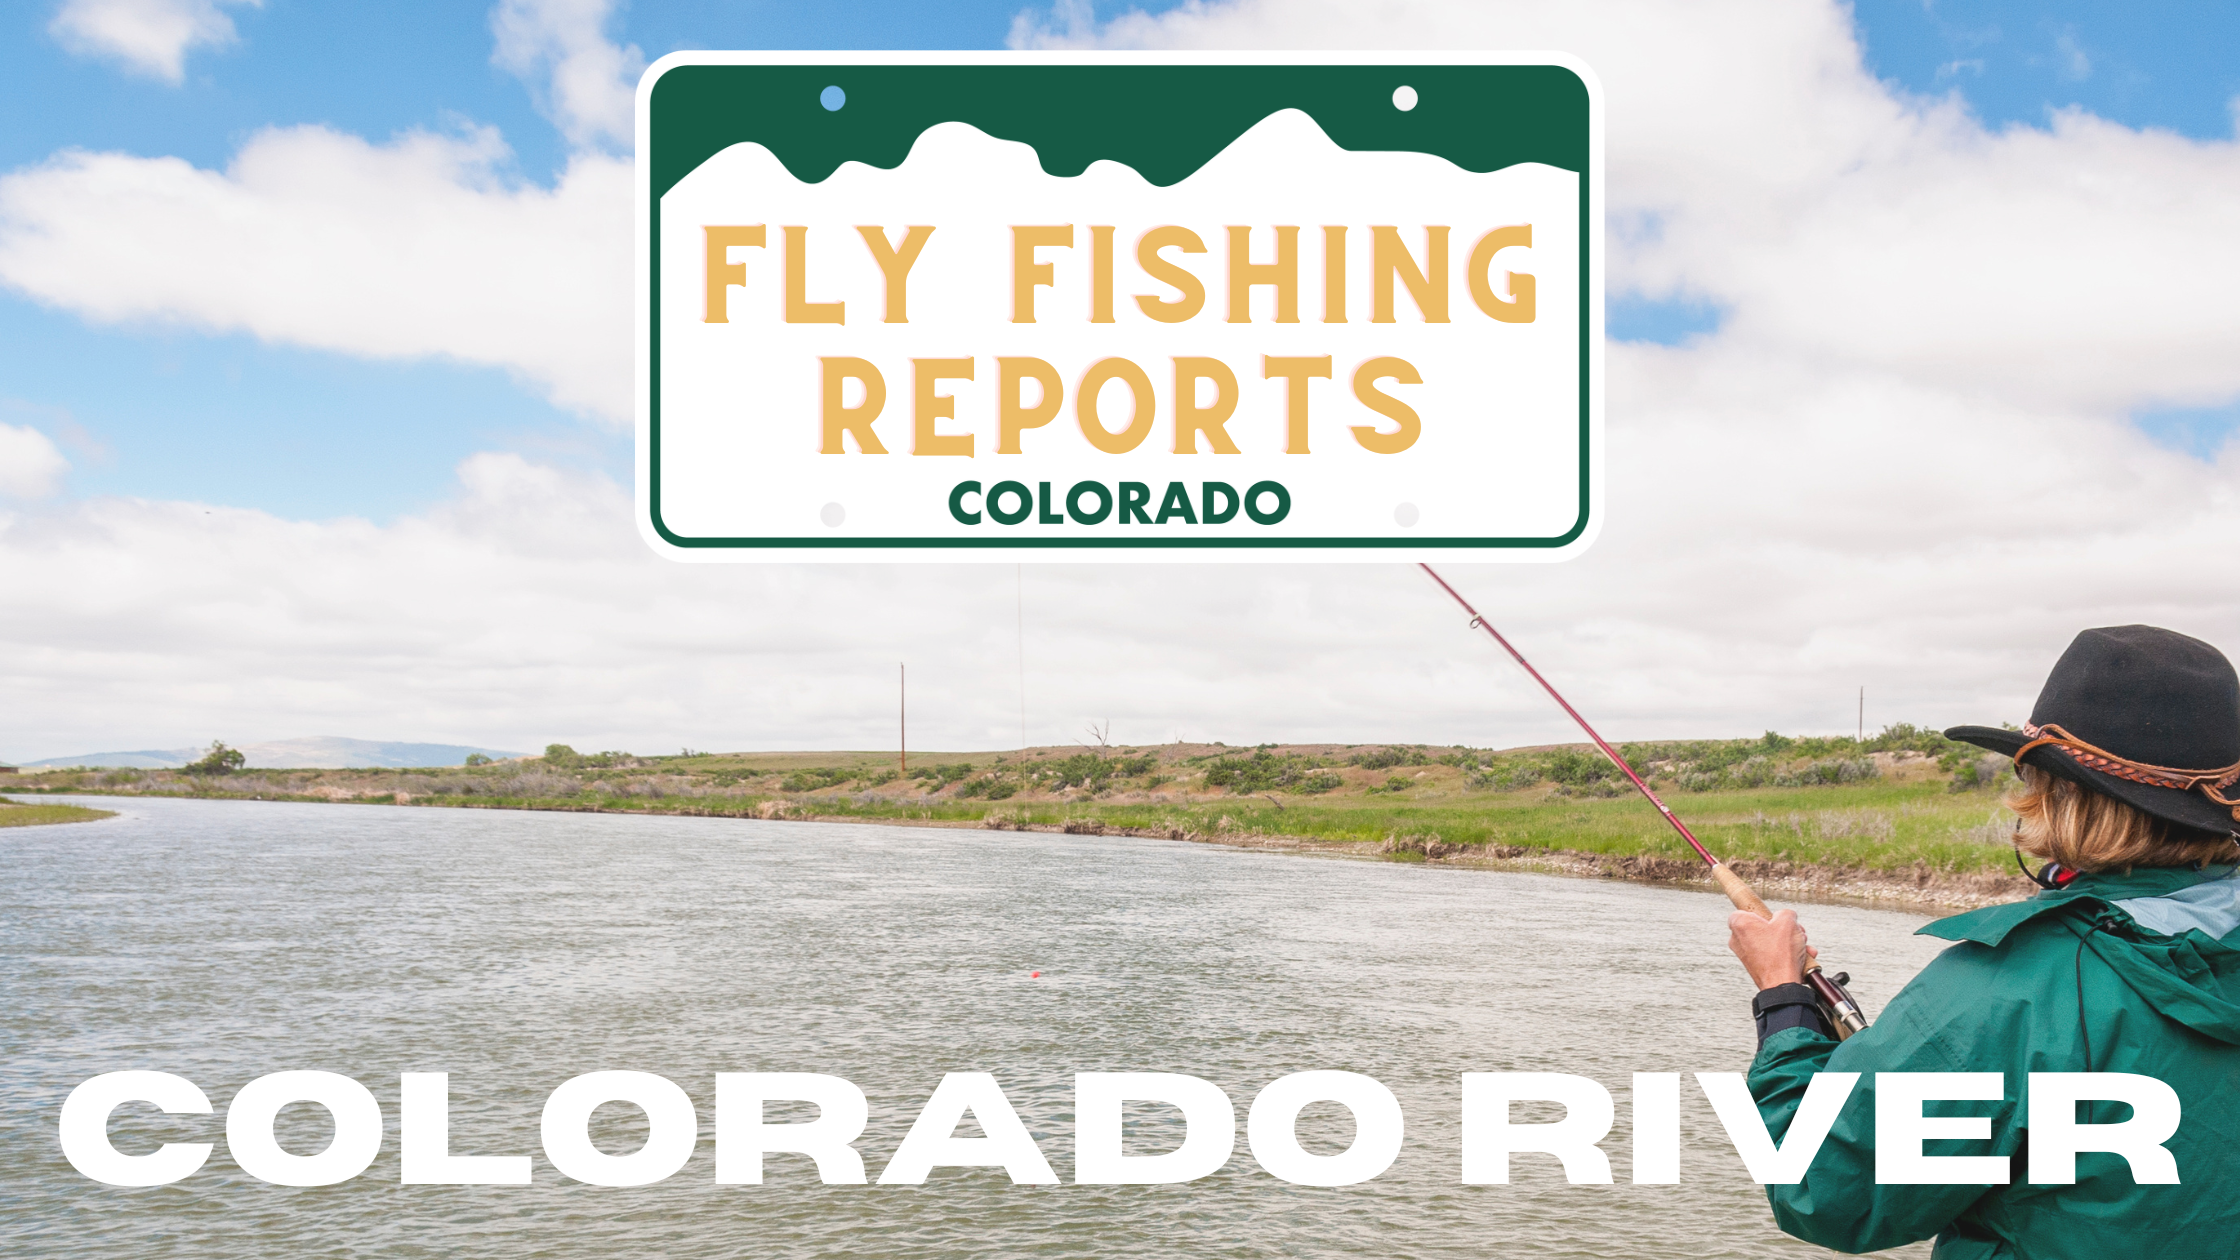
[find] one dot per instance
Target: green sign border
(1164, 120)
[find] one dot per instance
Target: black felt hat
(2142, 714)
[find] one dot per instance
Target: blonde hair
(2066, 822)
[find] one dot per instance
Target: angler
(2127, 962)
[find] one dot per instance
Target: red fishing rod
(1836, 1003)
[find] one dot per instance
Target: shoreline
(1920, 888)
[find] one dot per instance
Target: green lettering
(956, 503)
(1251, 502)
(1073, 502)
(1223, 514)
(1177, 503)
(1134, 497)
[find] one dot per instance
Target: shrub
(1506, 775)
(1573, 768)
(1831, 770)
(562, 757)
(991, 787)
(815, 779)
(477, 759)
(1265, 772)
(219, 760)
(1979, 773)
(1390, 756)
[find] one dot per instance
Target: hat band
(2211, 782)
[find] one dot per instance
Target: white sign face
(1282, 310)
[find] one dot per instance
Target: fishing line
(1842, 1012)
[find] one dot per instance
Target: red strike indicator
(1034, 975)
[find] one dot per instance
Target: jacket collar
(2090, 893)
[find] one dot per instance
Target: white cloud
(1756, 162)
(1778, 537)
(149, 37)
(415, 248)
(30, 466)
(2071, 61)
(1903, 461)
(588, 83)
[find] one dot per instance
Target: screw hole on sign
(832, 514)
(1406, 515)
(833, 98)
(1403, 98)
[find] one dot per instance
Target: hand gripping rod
(1837, 1004)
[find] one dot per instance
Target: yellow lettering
(856, 420)
(1518, 310)
(1193, 293)
(1190, 419)
(1365, 380)
(722, 272)
(799, 309)
(1100, 275)
(895, 262)
(1085, 406)
(1283, 274)
(1427, 284)
(1296, 373)
(1026, 273)
(1333, 275)
(1012, 416)
(929, 373)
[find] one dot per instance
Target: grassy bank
(15, 814)
(1903, 809)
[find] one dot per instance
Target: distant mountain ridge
(318, 752)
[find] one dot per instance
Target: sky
(1920, 363)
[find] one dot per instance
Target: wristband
(1786, 1006)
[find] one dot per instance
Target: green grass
(13, 814)
(1876, 826)
(1894, 801)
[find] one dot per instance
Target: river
(225, 940)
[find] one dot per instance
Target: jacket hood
(2170, 933)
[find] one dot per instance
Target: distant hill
(320, 752)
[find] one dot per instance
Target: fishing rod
(1843, 1013)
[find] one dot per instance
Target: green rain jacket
(2156, 955)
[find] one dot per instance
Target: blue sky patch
(2169, 64)
(174, 413)
(1665, 321)
(2198, 431)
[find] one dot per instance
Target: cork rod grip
(1746, 898)
(1738, 892)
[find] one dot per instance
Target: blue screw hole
(832, 98)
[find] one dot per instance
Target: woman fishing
(2128, 961)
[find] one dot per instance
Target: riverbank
(1901, 818)
(17, 814)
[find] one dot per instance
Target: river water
(225, 940)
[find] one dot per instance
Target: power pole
(1019, 591)
(902, 694)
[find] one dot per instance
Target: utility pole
(902, 694)
(1019, 592)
